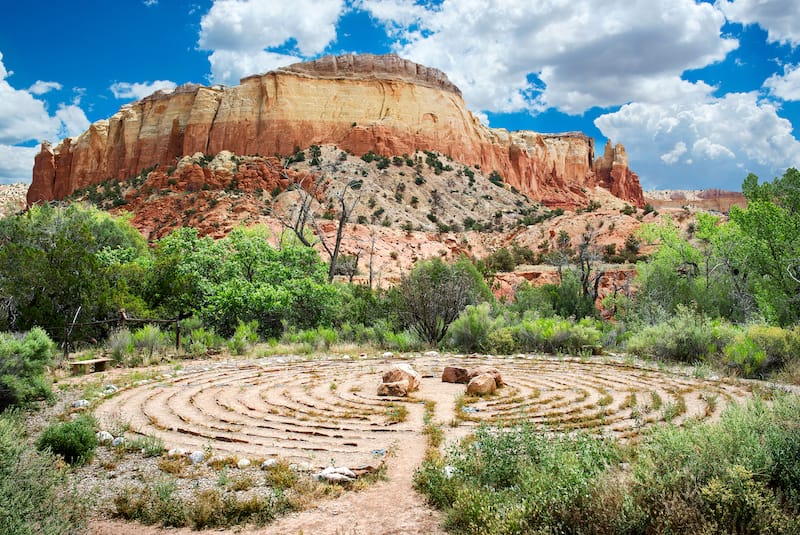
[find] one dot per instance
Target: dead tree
(302, 216)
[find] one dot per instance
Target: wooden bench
(83, 366)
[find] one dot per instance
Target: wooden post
(178, 333)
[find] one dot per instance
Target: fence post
(177, 333)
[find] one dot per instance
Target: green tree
(435, 293)
(768, 241)
(56, 260)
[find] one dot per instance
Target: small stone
(269, 463)
(482, 385)
(80, 404)
(176, 452)
(388, 355)
(300, 467)
(431, 353)
(197, 457)
(243, 463)
(117, 442)
(449, 471)
(110, 389)
(104, 437)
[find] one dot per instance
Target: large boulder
(454, 374)
(482, 385)
(491, 370)
(399, 372)
(396, 388)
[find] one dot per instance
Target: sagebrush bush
(470, 331)
(75, 441)
(244, 337)
(23, 360)
(149, 340)
(201, 340)
(685, 337)
(34, 494)
(120, 344)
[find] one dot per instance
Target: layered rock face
(359, 103)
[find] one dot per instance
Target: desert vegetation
(578, 442)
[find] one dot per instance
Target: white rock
(301, 467)
(117, 442)
(269, 463)
(80, 404)
(110, 389)
(431, 353)
(176, 452)
(197, 457)
(388, 355)
(104, 437)
(243, 463)
(335, 475)
(449, 471)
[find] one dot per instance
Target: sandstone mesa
(359, 103)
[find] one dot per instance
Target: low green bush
(685, 337)
(34, 494)
(23, 360)
(244, 337)
(75, 441)
(470, 331)
(149, 341)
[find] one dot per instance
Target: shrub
(120, 344)
(149, 340)
(34, 496)
(22, 367)
(245, 335)
(75, 441)
(470, 331)
(740, 475)
(201, 340)
(746, 356)
(685, 337)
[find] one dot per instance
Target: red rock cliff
(360, 103)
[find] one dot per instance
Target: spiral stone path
(327, 410)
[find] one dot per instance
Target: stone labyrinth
(322, 411)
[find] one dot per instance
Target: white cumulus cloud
(40, 88)
(785, 86)
(243, 35)
(139, 90)
(25, 119)
(16, 163)
(710, 143)
(780, 18)
(508, 55)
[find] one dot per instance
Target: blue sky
(699, 92)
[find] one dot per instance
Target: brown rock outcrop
(360, 103)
